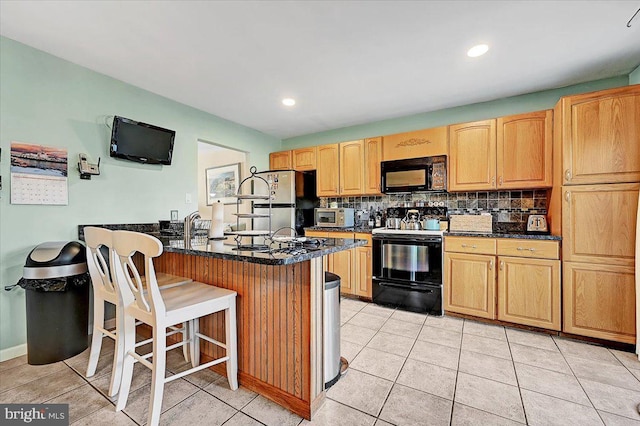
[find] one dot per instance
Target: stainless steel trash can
(331, 329)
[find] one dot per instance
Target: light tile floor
(405, 369)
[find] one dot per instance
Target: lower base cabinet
(529, 292)
(342, 264)
(469, 281)
(354, 266)
(599, 301)
(510, 280)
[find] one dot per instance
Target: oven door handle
(404, 287)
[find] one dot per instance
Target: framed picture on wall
(222, 183)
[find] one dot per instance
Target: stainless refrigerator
(293, 198)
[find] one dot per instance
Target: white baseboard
(13, 352)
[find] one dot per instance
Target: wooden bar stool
(99, 243)
(185, 303)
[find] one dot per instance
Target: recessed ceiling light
(288, 102)
(478, 50)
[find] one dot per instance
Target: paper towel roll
(217, 220)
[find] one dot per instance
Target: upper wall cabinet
(512, 152)
(372, 159)
(280, 160)
(600, 134)
(421, 143)
(351, 167)
(472, 156)
(304, 158)
(524, 150)
(328, 169)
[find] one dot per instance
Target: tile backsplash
(509, 209)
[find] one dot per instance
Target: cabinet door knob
(501, 265)
(567, 196)
(491, 265)
(493, 181)
(501, 181)
(567, 175)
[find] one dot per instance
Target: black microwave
(414, 175)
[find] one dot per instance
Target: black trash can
(57, 284)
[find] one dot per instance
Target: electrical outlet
(187, 198)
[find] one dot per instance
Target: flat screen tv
(141, 142)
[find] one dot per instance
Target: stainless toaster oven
(335, 218)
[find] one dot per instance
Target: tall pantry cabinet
(597, 167)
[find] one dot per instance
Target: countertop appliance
(408, 265)
(537, 224)
(414, 175)
(335, 218)
(293, 198)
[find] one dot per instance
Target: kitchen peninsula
(279, 313)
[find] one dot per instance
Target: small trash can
(331, 329)
(57, 284)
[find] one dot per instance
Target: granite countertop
(229, 251)
(504, 235)
(349, 229)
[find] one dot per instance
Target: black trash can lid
(330, 276)
(55, 259)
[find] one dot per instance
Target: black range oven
(407, 270)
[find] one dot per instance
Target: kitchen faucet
(189, 223)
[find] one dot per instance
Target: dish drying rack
(253, 233)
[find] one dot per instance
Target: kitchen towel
(217, 220)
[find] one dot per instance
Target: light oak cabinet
(280, 160)
(507, 279)
(599, 301)
(469, 282)
(529, 291)
(512, 152)
(364, 267)
(524, 150)
(599, 231)
(472, 156)
(298, 159)
(351, 167)
(354, 266)
(599, 223)
(372, 159)
(304, 158)
(342, 264)
(600, 134)
(420, 143)
(328, 170)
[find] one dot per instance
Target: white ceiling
(346, 62)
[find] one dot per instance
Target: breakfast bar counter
(279, 315)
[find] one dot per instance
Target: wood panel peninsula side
(279, 317)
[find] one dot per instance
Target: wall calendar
(38, 174)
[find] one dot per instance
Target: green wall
(46, 100)
(634, 77)
(480, 111)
